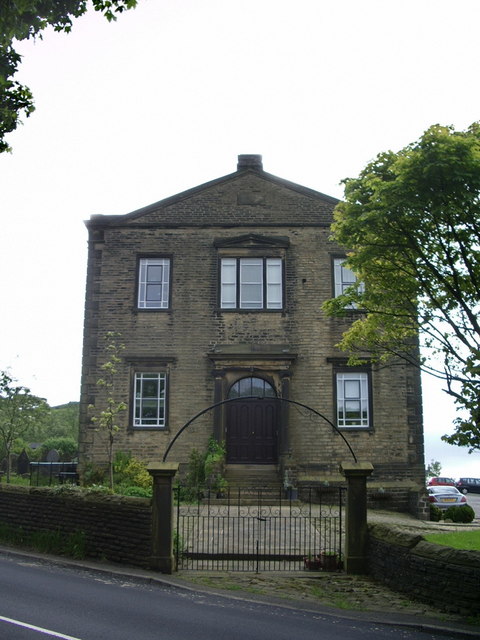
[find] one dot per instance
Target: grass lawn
(469, 540)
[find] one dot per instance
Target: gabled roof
(247, 165)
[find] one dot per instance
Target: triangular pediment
(248, 240)
(248, 196)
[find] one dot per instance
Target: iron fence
(48, 473)
(247, 529)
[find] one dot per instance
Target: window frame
(166, 300)
(240, 286)
(248, 380)
(365, 374)
(162, 374)
(339, 287)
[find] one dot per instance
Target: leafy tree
(411, 223)
(19, 412)
(434, 469)
(66, 447)
(64, 421)
(24, 19)
(107, 419)
(59, 422)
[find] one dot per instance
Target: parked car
(446, 496)
(433, 482)
(468, 484)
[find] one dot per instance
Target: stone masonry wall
(448, 578)
(181, 339)
(116, 528)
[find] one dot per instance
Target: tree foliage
(434, 469)
(411, 223)
(20, 411)
(59, 422)
(24, 19)
(67, 447)
(64, 421)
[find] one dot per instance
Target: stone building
(217, 294)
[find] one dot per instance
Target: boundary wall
(445, 577)
(116, 528)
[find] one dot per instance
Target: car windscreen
(444, 490)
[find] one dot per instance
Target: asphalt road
(41, 600)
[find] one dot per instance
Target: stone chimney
(250, 161)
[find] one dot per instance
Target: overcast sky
(168, 96)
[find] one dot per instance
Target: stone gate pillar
(162, 515)
(356, 533)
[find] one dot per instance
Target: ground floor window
(150, 399)
(352, 399)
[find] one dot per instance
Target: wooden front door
(252, 424)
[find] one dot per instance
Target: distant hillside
(64, 420)
(68, 405)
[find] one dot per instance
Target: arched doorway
(252, 423)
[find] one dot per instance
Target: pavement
(329, 594)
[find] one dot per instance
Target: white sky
(168, 96)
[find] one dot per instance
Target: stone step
(249, 474)
(254, 484)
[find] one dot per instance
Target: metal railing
(48, 473)
(247, 529)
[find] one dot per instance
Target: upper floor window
(149, 400)
(251, 283)
(153, 283)
(352, 399)
(343, 278)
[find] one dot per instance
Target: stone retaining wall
(445, 577)
(116, 528)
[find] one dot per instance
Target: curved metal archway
(218, 404)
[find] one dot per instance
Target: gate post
(356, 474)
(162, 515)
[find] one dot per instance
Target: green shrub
(75, 545)
(137, 492)
(66, 447)
(97, 489)
(435, 513)
(215, 465)
(179, 545)
(121, 460)
(45, 541)
(460, 514)
(93, 475)
(196, 469)
(34, 455)
(130, 472)
(205, 471)
(20, 444)
(136, 473)
(24, 481)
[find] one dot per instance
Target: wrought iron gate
(253, 530)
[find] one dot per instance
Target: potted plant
(329, 560)
(312, 563)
